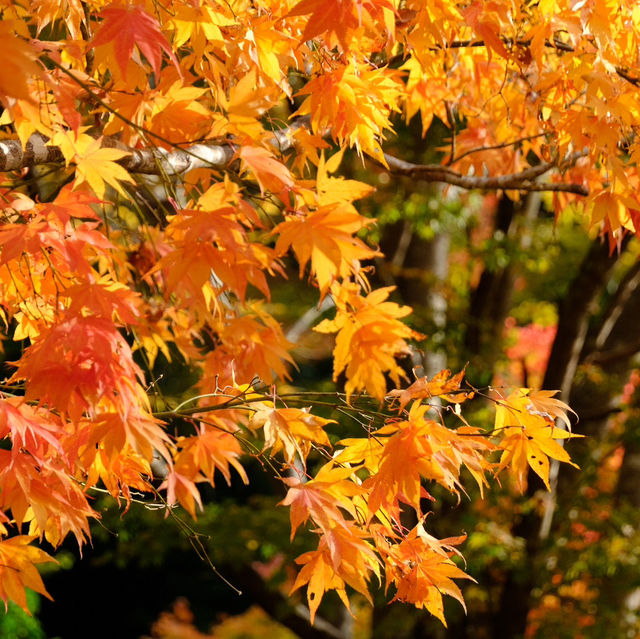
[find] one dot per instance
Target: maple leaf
(441, 385)
(119, 473)
(104, 298)
(321, 498)
(292, 430)
(247, 102)
(128, 26)
(78, 364)
(264, 348)
(339, 20)
(29, 428)
(320, 576)
(95, 164)
(18, 64)
(369, 337)
(529, 434)
(45, 496)
(273, 48)
(545, 405)
(405, 459)
(336, 190)
(18, 571)
(97, 167)
(70, 204)
(354, 103)
(199, 25)
(484, 18)
(68, 94)
(422, 448)
(214, 240)
(326, 238)
(176, 115)
(113, 432)
(271, 174)
(182, 489)
(46, 12)
(366, 452)
(343, 557)
(336, 17)
(208, 451)
(421, 571)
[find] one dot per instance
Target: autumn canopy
(164, 163)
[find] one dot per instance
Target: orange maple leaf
(68, 204)
(355, 103)
(441, 385)
(321, 497)
(182, 489)
(326, 238)
(421, 570)
(18, 64)
(422, 448)
(339, 20)
(18, 571)
(32, 430)
(208, 451)
(45, 496)
(264, 348)
(271, 174)
(343, 557)
(79, 364)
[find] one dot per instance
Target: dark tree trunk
(574, 313)
(490, 301)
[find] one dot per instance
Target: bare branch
(522, 181)
(493, 147)
(551, 44)
(13, 157)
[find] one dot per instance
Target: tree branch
(551, 44)
(574, 313)
(522, 181)
(217, 155)
(150, 160)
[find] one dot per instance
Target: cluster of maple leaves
(85, 288)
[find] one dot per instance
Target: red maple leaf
(126, 26)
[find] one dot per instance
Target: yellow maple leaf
(369, 337)
(334, 190)
(95, 164)
(290, 429)
(529, 434)
(343, 557)
(97, 167)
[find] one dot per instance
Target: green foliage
(15, 623)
